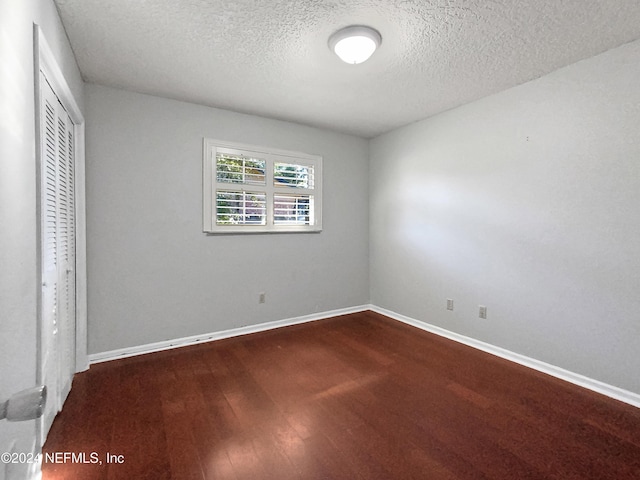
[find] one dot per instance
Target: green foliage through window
(240, 169)
(240, 208)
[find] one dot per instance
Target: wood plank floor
(353, 397)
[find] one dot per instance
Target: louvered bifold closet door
(49, 214)
(66, 259)
(58, 251)
(69, 350)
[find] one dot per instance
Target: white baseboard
(597, 386)
(209, 337)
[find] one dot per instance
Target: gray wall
(18, 255)
(527, 202)
(153, 275)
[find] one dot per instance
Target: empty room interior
(303, 239)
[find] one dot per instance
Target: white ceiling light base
(355, 44)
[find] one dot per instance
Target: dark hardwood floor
(353, 397)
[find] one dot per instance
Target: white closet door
(49, 209)
(68, 334)
(66, 259)
(58, 252)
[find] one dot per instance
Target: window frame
(271, 156)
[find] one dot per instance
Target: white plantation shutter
(293, 209)
(256, 189)
(294, 196)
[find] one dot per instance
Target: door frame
(45, 62)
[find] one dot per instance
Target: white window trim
(271, 155)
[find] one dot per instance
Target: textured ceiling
(270, 57)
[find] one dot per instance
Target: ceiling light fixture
(355, 44)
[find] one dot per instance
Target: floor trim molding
(209, 337)
(617, 393)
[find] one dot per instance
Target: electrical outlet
(482, 312)
(262, 298)
(449, 304)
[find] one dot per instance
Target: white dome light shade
(355, 44)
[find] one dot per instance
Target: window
(255, 189)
